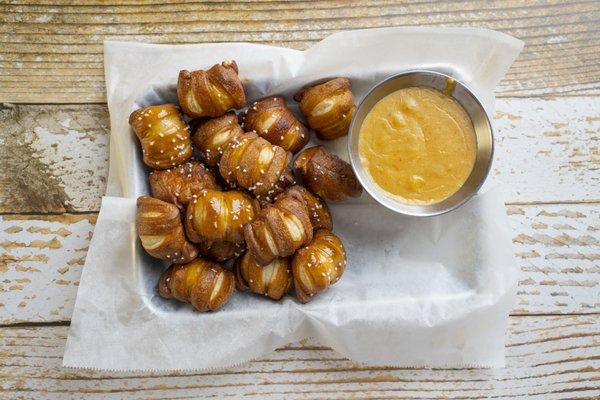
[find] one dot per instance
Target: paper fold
(417, 291)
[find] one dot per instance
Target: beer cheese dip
(418, 144)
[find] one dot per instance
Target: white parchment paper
(416, 291)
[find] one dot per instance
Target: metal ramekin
(483, 132)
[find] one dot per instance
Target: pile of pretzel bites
(237, 203)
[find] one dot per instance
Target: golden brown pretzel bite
(272, 280)
(164, 136)
(211, 136)
(253, 163)
(210, 93)
(279, 229)
(328, 107)
(178, 185)
(271, 119)
(318, 212)
(159, 227)
(204, 284)
(327, 175)
(318, 265)
(216, 216)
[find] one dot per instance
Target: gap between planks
(511, 315)
(503, 96)
(41, 324)
(508, 203)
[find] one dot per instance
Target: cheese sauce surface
(418, 144)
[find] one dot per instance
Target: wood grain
(52, 52)
(41, 258)
(547, 150)
(547, 358)
(557, 248)
(55, 156)
(52, 158)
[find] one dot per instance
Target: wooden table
(54, 130)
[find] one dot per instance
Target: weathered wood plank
(53, 52)
(54, 158)
(557, 249)
(40, 265)
(548, 150)
(547, 358)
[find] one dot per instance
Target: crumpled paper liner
(430, 292)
